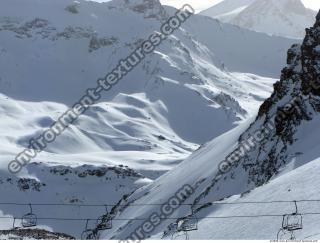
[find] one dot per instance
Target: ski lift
(104, 222)
(189, 223)
(89, 234)
(292, 222)
(186, 225)
(29, 219)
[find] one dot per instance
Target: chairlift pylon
(13, 224)
(104, 222)
(29, 219)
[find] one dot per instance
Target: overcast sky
(200, 5)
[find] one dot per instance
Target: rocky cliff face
(292, 107)
(285, 130)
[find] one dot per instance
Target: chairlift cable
(156, 204)
(171, 218)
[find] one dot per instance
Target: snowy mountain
(282, 18)
(227, 9)
(63, 53)
(243, 182)
(196, 86)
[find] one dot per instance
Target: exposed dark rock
(161, 138)
(96, 42)
(299, 83)
(25, 184)
(72, 8)
(36, 234)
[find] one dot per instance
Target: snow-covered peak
(227, 9)
(283, 18)
(285, 7)
(291, 4)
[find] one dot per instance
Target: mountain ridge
(282, 18)
(187, 92)
(265, 172)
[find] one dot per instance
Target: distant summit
(287, 18)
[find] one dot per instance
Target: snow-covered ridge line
(214, 88)
(280, 167)
(182, 95)
(93, 95)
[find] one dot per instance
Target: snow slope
(186, 93)
(282, 18)
(289, 187)
(59, 59)
(227, 9)
(282, 166)
(57, 184)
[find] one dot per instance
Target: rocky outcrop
(148, 8)
(296, 99)
(268, 144)
(33, 234)
(41, 28)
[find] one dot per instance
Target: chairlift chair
(292, 222)
(104, 222)
(29, 219)
(188, 224)
(178, 233)
(89, 234)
